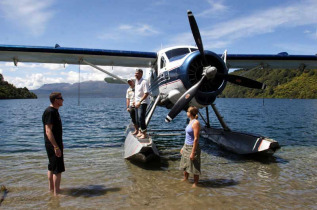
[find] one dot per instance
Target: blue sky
(244, 26)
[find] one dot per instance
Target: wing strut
(220, 118)
(104, 71)
(149, 115)
(79, 83)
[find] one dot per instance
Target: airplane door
(164, 72)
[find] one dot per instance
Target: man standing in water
(54, 142)
(141, 100)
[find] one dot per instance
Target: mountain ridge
(88, 89)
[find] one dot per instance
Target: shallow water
(97, 176)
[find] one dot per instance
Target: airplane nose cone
(210, 72)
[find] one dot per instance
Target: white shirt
(141, 87)
(130, 95)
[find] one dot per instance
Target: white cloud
(32, 15)
(33, 81)
(133, 30)
(259, 22)
(30, 78)
(216, 7)
(264, 22)
(298, 48)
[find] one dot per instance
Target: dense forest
(281, 83)
(9, 91)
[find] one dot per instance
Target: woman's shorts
(188, 165)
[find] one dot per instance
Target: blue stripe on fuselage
(174, 74)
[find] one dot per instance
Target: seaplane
(180, 77)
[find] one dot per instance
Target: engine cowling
(191, 72)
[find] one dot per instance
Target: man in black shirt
(54, 142)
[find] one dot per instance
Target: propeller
(209, 72)
(242, 81)
(183, 101)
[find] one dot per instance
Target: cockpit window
(176, 52)
(193, 49)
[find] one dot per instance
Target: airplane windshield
(176, 52)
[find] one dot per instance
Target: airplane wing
(66, 55)
(63, 55)
(281, 60)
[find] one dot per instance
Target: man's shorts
(56, 164)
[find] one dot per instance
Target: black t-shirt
(51, 116)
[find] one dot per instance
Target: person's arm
(142, 99)
(196, 129)
(51, 138)
(128, 104)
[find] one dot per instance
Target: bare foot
(135, 133)
(59, 193)
(184, 180)
(194, 185)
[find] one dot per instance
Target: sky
(241, 27)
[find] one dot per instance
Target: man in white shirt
(130, 105)
(141, 100)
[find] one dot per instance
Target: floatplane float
(180, 77)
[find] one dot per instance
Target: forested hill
(9, 91)
(280, 84)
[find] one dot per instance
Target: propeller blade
(196, 34)
(183, 101)
(242, 81)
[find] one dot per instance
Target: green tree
(9, 91)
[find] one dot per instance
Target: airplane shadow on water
(88, 191)
(155, 165)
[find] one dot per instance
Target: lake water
(98, 177)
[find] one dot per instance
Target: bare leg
(50, 180)
(57, 182)
(136, 130)
(196, 178)
(186, 175)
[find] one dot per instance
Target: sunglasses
(60, 98)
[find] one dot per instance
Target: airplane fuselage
(177, 69)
